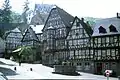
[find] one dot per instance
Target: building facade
(106, 38)
(13, 40)
(80, 46)
(30, 39)
(91, 49)
(55, 32)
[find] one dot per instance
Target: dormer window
(112, 28)
(102, 30)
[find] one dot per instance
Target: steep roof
(38, 18)
(40, 14)
(66, 17)
(87, 27)
(44, 8)
(106, 23)
(10, 31)
(30, 30)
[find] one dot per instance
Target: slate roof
(41, 12)
(39, 17)
(44, 8)
(105, 23)
(66, 17)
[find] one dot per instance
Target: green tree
(16, 17)
(6, 12)
(5, 15)
(22, 52)
(2, 32)
(25, 11)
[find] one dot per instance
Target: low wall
(64, 69)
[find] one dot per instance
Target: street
(40, 71)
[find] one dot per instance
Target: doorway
(99, 68)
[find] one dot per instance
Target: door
(99, 68)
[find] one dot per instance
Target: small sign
(107, 74)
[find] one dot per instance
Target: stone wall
(64, 69)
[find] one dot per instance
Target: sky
(80, 8)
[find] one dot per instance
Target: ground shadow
(7, 71)
(6, 64)
(2, 63)
(68, 74)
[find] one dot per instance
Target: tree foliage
(24, 52)
(25, 11)
(16, 17)
(91, 20)
(6, 12)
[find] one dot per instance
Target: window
(102, 30)
(76, 34)
(112, 28)
(77, 24)
(79, 64)
(87, 64)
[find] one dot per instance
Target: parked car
(2, 76)
(112, 73)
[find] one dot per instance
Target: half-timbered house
(106, 38)
(39, 34)
(13, 40)
(80, 52)
(30, 39)
(55, 32)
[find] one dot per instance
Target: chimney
(118, 15)
(82, 19)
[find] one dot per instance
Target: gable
(15, 33)
(102, 30)
(112, 28)
(58, 18)
(77, 30)
(29, 35)
(54, 20)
